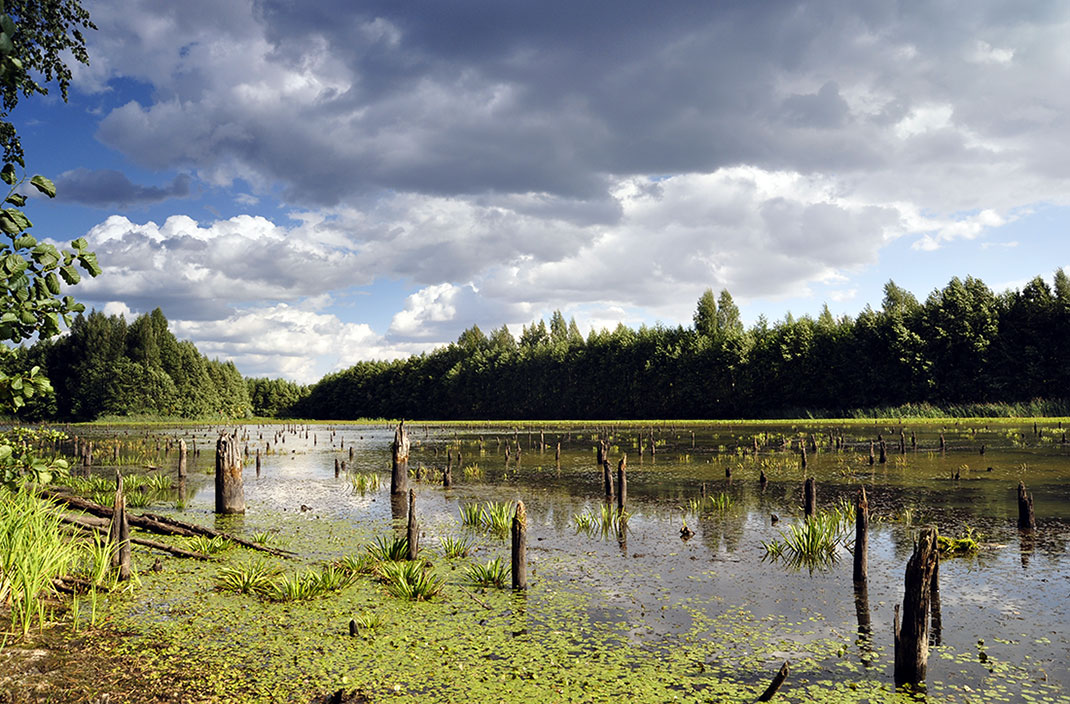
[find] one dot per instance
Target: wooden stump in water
(775, 685)
(884, 452)
(762, 480)
(520, 547)
(871, 457)
(607, 478)
(802, 454)
(912, 624)
(622, 484)
(809, 497)
(447, 477)
(902, 443)
(337, 467)
(399, 464)
(557, 454)
(861, 554)
(943, 443)
(258, 461)
(119, 531)
(413, 532)
(913, 440)
(1027, 521)
(229, 490)
(181, 459)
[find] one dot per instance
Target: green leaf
(52, 282)
(8, 174)
(44, 185)
(6, 47)
(7, 25)
(89, 263)
(26, 242)
(80, 244)
(70, 275)
(16, 199)
(8, 224)
(19, 218)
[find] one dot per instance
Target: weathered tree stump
(413, 532)
(943, 443)
(883, 452)
(902, 442)
(399, 464)
(229, 490)
(802, 454)
(809, 497)
(119, 531)
(622, 484)
(1027, 521)
(557, 454)
(258, 461)
(520, 547)
(607, 478)
(337, 467)
(861, 555)
(871, 455)
(181, 459)
(912, 624)
(762, 480)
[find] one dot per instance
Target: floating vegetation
(959, 547)
(472, 471)
(714, 503)
(369, 621)
(492, 574)
(410, 580)
(454, 547)
(261, 538)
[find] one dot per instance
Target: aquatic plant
(364, 482)
(492, 574)
(249, 578)
(209, 546)
(261, 538)
(714, 503)
(363, 563)
(410, 580)
(811, 543)
(369, 621)
(472, 471)
(456, 546)
(494, 516)
(390, 549)
(958, 547)
(472, 515)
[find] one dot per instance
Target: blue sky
(302, 186)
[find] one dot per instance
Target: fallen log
(100, 526)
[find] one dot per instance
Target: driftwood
(100, 526)
(157, 524)
(781, 675)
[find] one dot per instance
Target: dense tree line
(108, 367)
(964, 344)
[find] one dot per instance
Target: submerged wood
(99, 526)
(1027, 520)
(119, 531)
(775, 685)
(809, 497)
(912, 624)
(861, 553)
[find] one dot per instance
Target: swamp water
(636, 613)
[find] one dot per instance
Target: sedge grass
(410, 580)
(491, 574)
(454, 547)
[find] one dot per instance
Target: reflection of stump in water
(622, 536)
(1026, 546)
(936, 618)
(865, 628)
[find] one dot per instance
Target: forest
(963, 346)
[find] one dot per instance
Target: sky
(303, 185)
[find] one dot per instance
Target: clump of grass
(410, 580)
(32, 553)
(261, 538)
(303, 586)
(370, 621)
(391, 549)
(812, 543)
(454, 547)
(959, 547)
(250, 578)
(607, 520)
(494, 517)
(359, 564)
(472, 471)
(363, 482)
(714, 503)
(209, 546)
(492, 574)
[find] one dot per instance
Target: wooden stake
(413, 533)
(258, 461)
(229, 491)
(622, 484)
(809, 497)
(771, 690)
(607, 478)
(861, 556)
(1027, 521)
(119, 531)
(520, 547)
(912, 633)
(399, 465)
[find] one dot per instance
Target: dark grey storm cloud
(563, 97)
(106, 188)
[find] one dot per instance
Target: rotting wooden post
(771, 690)
(622, 484)
(520, 547)
(902, 442)
(884, 452)
(762, 480)
(607, 478)
(802, 454)
(861, 556)
(557, 454)
(936, 621)
(182, 455)
(447, 477)
(1027, 521)
(913, 440)
(809, 497)
(413, 532)
(337, 467)
(119, 531)
(258, 461)
(911, 627)
(871, 457)
(350, 453)
(399, 465)
(229, 491)
(943, 443)
(755, 438)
